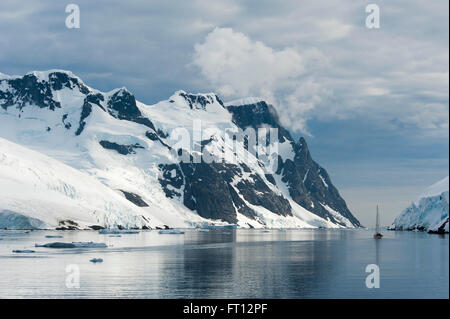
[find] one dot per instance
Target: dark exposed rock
(28, 90)
(60, 80)
(122, 105)
(90, 99)
(161, 133)
(441, 228)
(256, 192)
(257, 115)
(240, 205)
(171, 179)
(96, 227)
(85, 112)
(152, 135)
(67, 125)
(270, 178)
(308, 183)
(95, 98)
(208, 190)
(121, 149)
(67, 222)
(197, 101)
(134, 198)
(66, 228)
(156, 137)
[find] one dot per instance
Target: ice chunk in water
(117, 231)
(96, 260)
(73, 245)
(171, 231)
(23, 251)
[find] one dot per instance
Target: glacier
(429, 212)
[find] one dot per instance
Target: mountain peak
(53, 73)
(195, 100)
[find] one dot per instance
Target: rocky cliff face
(134, 149)
(308, 183)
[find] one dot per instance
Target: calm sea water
(227, 264)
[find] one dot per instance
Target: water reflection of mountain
(241, 267)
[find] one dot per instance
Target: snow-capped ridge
(45, 75)
(195, 101)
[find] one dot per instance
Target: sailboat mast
(377, 222)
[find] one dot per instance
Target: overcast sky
(373, 104)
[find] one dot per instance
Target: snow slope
(429, 212)
(40, 192)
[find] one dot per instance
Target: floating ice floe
(73, 245)
(117, 231)
(96, 260)
(171, 231)
(23, 251)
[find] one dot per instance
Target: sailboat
(377, 234)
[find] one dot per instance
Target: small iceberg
(117, 231)
(203, 230)
(96, 260)
(265, 231)
(23, 251)
(171, 231)
(73, 245)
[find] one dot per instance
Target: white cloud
(238, 67)
(333, 29)
(429, 117)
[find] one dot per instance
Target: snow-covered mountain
(429, 212)
(72, 154)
